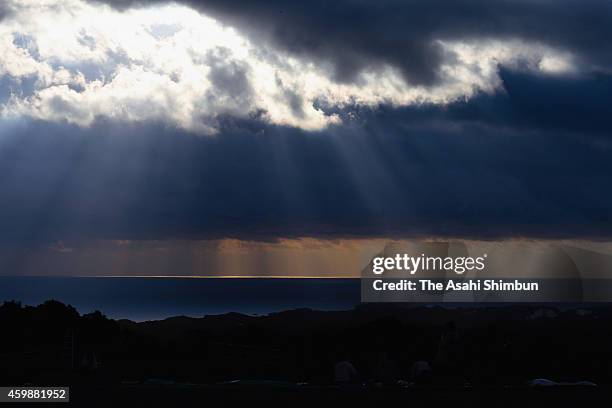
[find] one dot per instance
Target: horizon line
(186, 276)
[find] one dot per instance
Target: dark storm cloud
(3, 11)
(352, 35)
(490, 167)
(529, 103)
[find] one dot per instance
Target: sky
(207, 137)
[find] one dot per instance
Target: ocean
(143, 298)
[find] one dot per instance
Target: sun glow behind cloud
(298, 258)
(170, 63)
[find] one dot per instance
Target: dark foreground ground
(137, 396)
(477, 356)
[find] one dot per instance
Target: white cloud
(173, 64)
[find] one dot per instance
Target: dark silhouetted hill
(502, 345)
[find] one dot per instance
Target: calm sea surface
(158, 298)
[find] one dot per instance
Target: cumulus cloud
(189, 65)
(352, 35)
(531, 162)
